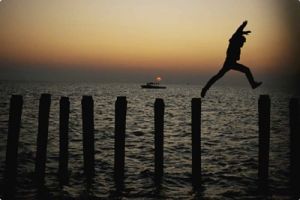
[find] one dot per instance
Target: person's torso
(234, 49)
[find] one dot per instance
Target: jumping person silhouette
(233, 53)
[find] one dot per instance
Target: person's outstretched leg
(213, 80)
(247, 72)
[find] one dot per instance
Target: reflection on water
(229, 141)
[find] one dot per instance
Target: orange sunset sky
(168, 35)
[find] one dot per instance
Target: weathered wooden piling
(14, 123)
(88, 136)
(159, 109)
(196, 142)
(294, 108)
(264, 138)
(42, 137)
(120, 126)
(63, 139)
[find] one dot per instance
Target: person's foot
(257, 84)
(203, 92)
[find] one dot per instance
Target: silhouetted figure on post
(233, 53)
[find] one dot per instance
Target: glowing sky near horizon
(139, 34)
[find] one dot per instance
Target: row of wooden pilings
(15, 113)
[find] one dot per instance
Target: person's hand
(241, 28)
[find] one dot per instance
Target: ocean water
(229, 142)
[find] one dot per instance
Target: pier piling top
(264, 97)
(121, 98)
(196, 100)
(159, 101)
(63, 98)
(16, 97)
(120, 102)
(86, 98)
(46, 96)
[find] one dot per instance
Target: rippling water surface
(229, 141)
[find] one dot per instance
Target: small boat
(153, 85)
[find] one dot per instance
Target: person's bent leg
(247, 72)
(212, 81)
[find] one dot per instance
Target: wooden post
(196, 142)
(120, 126)
(264, 138)
(159, 109)
(88, 135)
(42, 137)
(14, 123)
(295, 145)
(63, 139)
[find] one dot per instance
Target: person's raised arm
(240, 30)
(242, 26)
